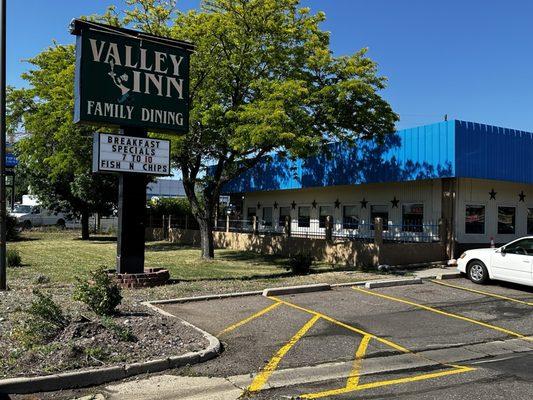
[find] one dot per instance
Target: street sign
(129, 78)
(11, 160)
(119, 153)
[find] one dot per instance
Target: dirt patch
(136, 334)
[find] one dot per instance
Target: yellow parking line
(261, 379)
(339, 323)
(250, 318)
(437, 311)
(373, 385)
(498, 296)
(353, 379)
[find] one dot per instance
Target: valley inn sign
(135, 82)
(128, 78)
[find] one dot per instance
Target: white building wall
(476, 192)
(427, 192)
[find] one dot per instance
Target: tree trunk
(85, 225)
(206, 238)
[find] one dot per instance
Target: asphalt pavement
(439, 339)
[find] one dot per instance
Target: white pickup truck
(29, 215)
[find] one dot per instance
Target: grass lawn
(62, 257)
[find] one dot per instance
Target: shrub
(13, 258)
(300, 263)
(12, 232)
(101, 294)
(44, 322)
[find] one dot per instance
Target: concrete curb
(452, 275)
(91, 377)
(206, 297)
(317, 287)
(392, 282)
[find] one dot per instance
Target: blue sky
(470, 59)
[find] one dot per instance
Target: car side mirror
(503, 250)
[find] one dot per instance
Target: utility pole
(3, 219)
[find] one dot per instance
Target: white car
(28, 216)
(512, 263)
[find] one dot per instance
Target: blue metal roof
(442, 150)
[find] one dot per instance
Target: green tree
(55, 156)
(264, 81)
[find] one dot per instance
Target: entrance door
(515, 263)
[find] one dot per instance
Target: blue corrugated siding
(410, 154)
(490, 152)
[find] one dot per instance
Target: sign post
(138, 83)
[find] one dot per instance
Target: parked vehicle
(28, 215)
(512, 262)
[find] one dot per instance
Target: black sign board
(128, 78)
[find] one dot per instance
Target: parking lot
(356, 342)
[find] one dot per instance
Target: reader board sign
(120, 153)
(128, 78)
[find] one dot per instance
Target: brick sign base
(151, 277)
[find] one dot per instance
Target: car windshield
(22, 209)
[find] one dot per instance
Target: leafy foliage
(55, 157)
(12, 232)
(44, 322)
(170, 206)
(100, 293)
(263, 82)
(13, 258)
(300, 263)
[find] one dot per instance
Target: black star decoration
(258, 205)
(337, 203)
(275, 205)
(314, 203)
(492, 194)
(395, 202)
(522, 196)
(293, 205)
(363, 203)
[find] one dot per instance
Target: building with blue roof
(477, 178)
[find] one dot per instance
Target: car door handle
(527, 262)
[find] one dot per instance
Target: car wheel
(60, 223)
(477, 272)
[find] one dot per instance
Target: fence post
(329, 229)
(442, 231)
(287, 227)
(378, 239)
(163, 228)
(169, 227)
(227, 223)
(254, 225)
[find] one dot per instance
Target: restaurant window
(324, 213)
(412, 217)
(530, 221)
(284, 212)
(506, 220)
(251, 213)
(267, 216)
(475, 219)
(379, 212)
(304, 217)
(350, 217)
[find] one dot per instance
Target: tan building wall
(427, 192)
(476, 192)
